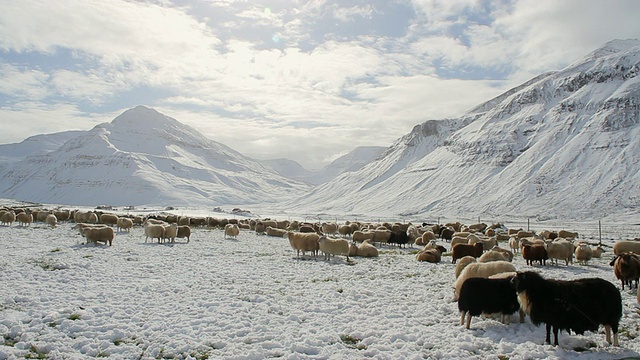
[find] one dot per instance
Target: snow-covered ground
(251, 298)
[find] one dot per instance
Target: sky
(304, 80)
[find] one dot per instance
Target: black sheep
(487, 296)
(398, 237)
(572, 305)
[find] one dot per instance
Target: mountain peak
(142, 116)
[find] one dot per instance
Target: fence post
(599, 233)
(527, 224)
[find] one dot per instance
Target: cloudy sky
(306, 80)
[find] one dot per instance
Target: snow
(252, 298)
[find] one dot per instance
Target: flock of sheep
(486, 281)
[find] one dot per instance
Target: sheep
(170, 232)
(464, 261)
(153, 231)
(85, 217)
(82, 226)
(487, 296)
(507, 253)
(303, 242)
(426, 237)
(398, 237)
(572, 305)
(458, 240)
(381, 236)
(597, 252)
(487, 242)
(525, 234)
(270, 231)
(446, 233)
(583, 253)
(184, 231)
(514, 243)
(560, 249)
(125, 224)
(533, 253)
(231, 231)
(51, 220)
(365, 250)
(345, 230)
(483, 270)
(260, 227)
(626, 268)
(99, 233)
(361, 236)
(492, 255)
(567, 234)
(432, 255)
(331, 246)
(183, 220)
(24, 219)
(41, 216)
(626, 246)
(109, 219)
(8, 218)
(460, 250)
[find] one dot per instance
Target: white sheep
(109, 219)
(462, 263)
(271, 231)
(232, 231)
(426, 237)
(583, 253)
(360, 236)
(303, 242)
(24, 219)
(560, 249)
(329, 228)
(493, 255)
(51, 220)
(483, 270)
(85, 217)
(124, 223)
(381, 236)
(458, 240)
(153, 231)
(367, 250)
(597, 252)
(99, 234)
(567, 234)
(514, 243)
(507, 253)
(626, 246)
(184, 220)
(170, 232)
(331, 246)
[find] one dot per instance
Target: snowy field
(251, 298)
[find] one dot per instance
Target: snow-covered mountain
(564, 144)
(142, 157)
(352, 161)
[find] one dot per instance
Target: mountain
(352, 161)
(143, 157)
(564, 144)
(35, 145)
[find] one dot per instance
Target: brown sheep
(461, 250)
(626, 267)
(533, 253)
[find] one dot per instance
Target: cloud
(304, 80)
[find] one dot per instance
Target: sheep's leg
(555, 335)
(468, 320)
(607, 333)
(547, 339)
(463, 314)
(615, 339)
(522, 315)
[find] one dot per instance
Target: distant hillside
(352, 161)
(564, 144)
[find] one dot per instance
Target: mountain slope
(143, 157)
(564, 144)
(353, 161)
